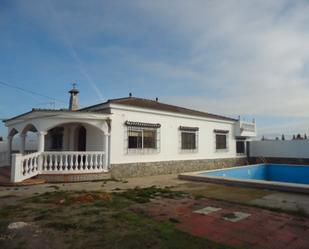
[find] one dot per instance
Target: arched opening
(13, 132)
(28, 139)
(29, 127)
(74, 137)
(13, 141)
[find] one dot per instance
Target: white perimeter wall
(169, 138)
(278, 148)
(31, 144)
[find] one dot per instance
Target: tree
(282, 137)
(298, 136)
(277, 138)
(1, 139)
(305, 136)
(263, 138)
(294, 137)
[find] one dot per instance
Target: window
(240, 147)
(135, 139)
(149, 139)
(142, 136)
(188, 141)
(188, 136)
(221, 139)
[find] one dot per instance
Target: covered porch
(63, 142)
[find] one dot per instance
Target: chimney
(73, 98)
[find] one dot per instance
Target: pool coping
(282, 186)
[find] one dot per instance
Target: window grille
(188, 139)
(240, 147)
(221, 140)
(142, 137)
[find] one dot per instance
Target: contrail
(82, 68)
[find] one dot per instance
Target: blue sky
(247, 58)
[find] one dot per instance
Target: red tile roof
(155, 105)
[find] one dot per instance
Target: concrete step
(85, 177)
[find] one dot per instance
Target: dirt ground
(258, 197)
(103, 214)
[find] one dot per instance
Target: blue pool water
(266, 172)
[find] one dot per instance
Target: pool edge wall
(295, 188)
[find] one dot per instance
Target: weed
(7, 196)
(143, 195)
(63, 226)
(173, 220)
(54, 187)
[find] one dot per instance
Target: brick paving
(263, 229)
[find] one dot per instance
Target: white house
(127, 137)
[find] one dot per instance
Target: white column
(22, 143)
(106, 150)
(16, 170)
(41, 140)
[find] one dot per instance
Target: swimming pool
(272, 176)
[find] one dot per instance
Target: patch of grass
(89, 212)
(54, 187)
(107, 180)
(301, 212)
(10, 211)
(143, 195)
(7, 196)
(3, 225)
(146, 233)
(101, 223)
(222, 192)
(173, 220)
(63, 226)
(234, 195)
(49, 197)
(198, 197)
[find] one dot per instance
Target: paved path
(257, 228)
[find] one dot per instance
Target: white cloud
(235, 57)
(253, 52)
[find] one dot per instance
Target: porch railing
(66, 162)
(25, 166)
(247, 126)
(73, 162)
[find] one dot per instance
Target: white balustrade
(70, 162)
(60, 162)
(25, 166)
(248, 126)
